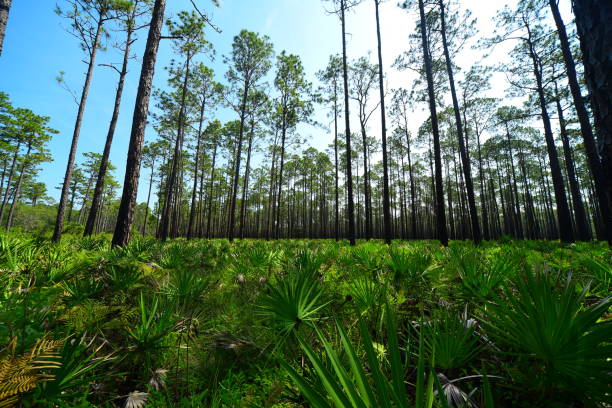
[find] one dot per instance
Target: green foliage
(450, 341)
(351, 384)
(409, 265)
(550, 331)
(294, 299)
(207, 323)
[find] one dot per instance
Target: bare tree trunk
(336, 189)
(563, 215)
(440, 211)
(280, 178)
(5, 7)
(125, 216)
(171, 196)
(366, 186)
(467, 172)
(245, 182)
(347, 133)
(99, 188)
(579, 213)
(146, 215)
(594, 29)
(386, 206)
(9, 221)
(232, 214)
(195, 172)
(210, 193)
(9, 180)
(59, 222)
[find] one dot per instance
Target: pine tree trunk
(386, 206)
(99, 188)
(173, 181)
(59, 222)
(232, 214)
(9, 180)
(347, 133)
(366, 186)
(441, 230)
(146, 216)
(5, 7)
(11, 214)
(336, 181)
(192, 211)
(563, 215)
(125, 216)
(582, 228)
(467, 172)
(245, 182)
(594, 29)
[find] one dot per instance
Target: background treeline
(479, 167)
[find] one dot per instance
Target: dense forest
(450, 247)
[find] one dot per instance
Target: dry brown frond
(20, 374)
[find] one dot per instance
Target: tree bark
(99, 188)
(192, 211)
(59, 222)
(176, 159)
(146, 215)
(210, 194)
(579, 213)
(467, 172)
(347, 131)
(5, 7)
(594, 29)
(125, 216)
(563, 215)
(232, 214)
(441, 230)
(245, 183)
(386, 205)
(336, 188)
(9, 180)
(9, 221)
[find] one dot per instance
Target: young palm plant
(550, 331)
(293, 300)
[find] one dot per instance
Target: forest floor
(296, 323)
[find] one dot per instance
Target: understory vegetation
(297, 323)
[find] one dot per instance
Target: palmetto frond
(22, 373)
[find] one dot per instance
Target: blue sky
(37, 48)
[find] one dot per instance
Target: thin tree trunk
(195, 172)
(9, 221)
(440, 212)
(245, 183)
(366, 186)
(146, 216)
(563, 214)
(347, 131)
(99, 188)
(336, 188)
(579, 213)
(171, 196)
(232, 214)
(467, 172)
(386, 205)
(9, 180)
(59, 222)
